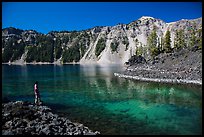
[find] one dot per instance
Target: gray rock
(45, 131)
(7, 132)
(32, 120)
(8, 124)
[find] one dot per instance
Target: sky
(58, 16)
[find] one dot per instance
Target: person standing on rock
(37, 94)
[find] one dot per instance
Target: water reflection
(94, 81)
(91, 91)
(107, 87)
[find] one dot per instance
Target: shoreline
(60, 64)
(38, 63)
(160, 80)
(25, 118)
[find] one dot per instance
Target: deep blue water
(90, 94)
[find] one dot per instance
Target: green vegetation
(40, 53)
(73, 35)
(83, 40)
(13, 50)
(18, 51)
(160, 45)
(179, 41)
(100, 46)
(7, 54)
(65, 39)
(43, 52)
(167, 42)
(47, 48)
(57, 49)
(82, 49)
(31, 54)
(152, 43)
(192, 39)
(71, 54)
(139, 51)
(114, 46)
(125, 42)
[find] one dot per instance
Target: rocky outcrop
(136, 60)
(178, 67)
(24, 118)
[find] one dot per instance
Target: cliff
(104, 45)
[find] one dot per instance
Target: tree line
(156, 45)
(45, 48)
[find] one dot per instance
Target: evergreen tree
(152, 43)
(192, 38)
(167, 42)
(71, 54)
(100, 46)
(57, 48)
(125, 42)
(114, 46)
(162, 45)
(139, 51)
(179, 41)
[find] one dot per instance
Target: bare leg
(36, 100)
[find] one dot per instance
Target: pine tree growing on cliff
(167, 42)
(182, 38)
(100, 46)
(179, 40)
(139, 50)
(152, 42)
(192, 38)
(162, 45)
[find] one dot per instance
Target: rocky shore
(180, 67)
(24, 118)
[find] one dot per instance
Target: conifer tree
(192, 38)
(152, 43)
(167, 42)
(139, 50)
(162, 44)
(179, 41)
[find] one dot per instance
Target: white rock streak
(159, 80)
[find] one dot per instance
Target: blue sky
(47, 16)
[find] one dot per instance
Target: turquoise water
(91, 95)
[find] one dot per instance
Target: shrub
(114, 46)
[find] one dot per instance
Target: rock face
(81, 46)
(23, 118)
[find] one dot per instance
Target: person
(37, 94)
